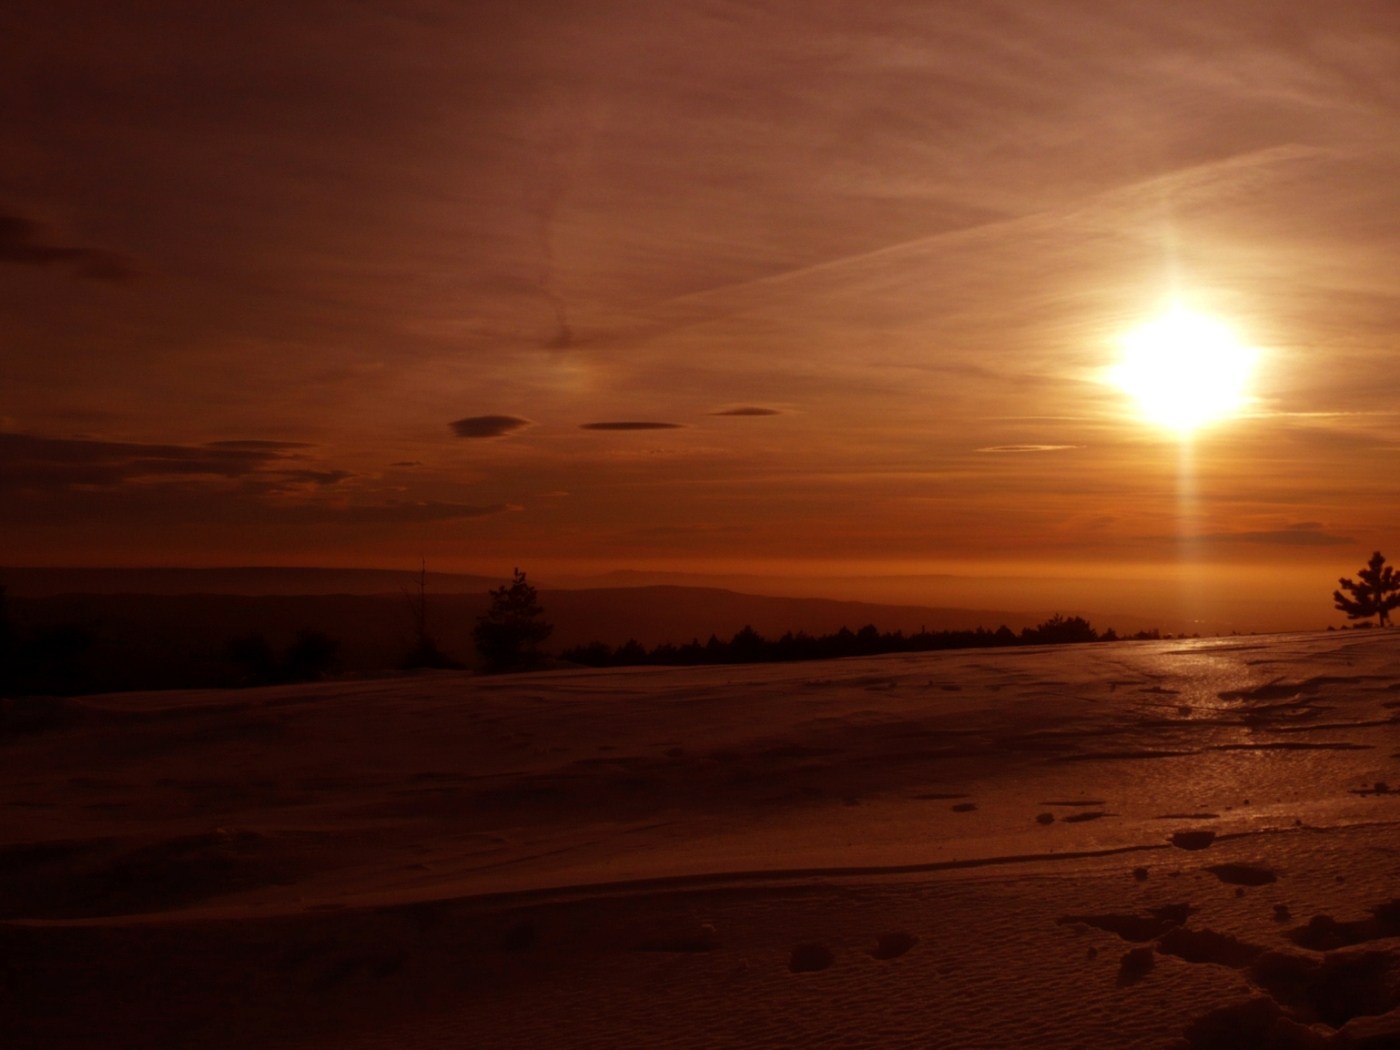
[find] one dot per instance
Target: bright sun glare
(1185, 370)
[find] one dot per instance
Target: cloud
(487, 426)
(629, 425)
(394, 512)
(407, 463)
(28, 461)
(266, 483)
(1303, 534)
(1027, 448)
(747, 410)
(315, 477)
(944, 226)
(32, 463)
(21, 244)
(692, 530)
(256, 445)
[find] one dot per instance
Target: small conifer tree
(1374, 593)
(508, 632)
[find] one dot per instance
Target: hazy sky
(344, 283)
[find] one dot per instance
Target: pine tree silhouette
(507, 633)
(1375, 593)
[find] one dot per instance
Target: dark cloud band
(27, 460)
(247, 482)
(254, 445)
(747, 410)
(32, 463)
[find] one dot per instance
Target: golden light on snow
(1185, 370)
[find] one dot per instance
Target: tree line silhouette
(75, 657)
(506, 636)
(748, 646)
(53, 660)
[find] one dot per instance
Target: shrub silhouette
(305, 660)
(44, 661)
(426, 654)
(1374, 593)
(255, 657)
(508, 632)
(309, 657)
(1061, 631)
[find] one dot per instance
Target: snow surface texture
(1173, 843)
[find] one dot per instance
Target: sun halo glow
(1185, 370)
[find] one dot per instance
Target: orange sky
(254, 265)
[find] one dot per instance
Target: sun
(1185, 370)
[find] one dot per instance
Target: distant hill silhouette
(665, 613)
